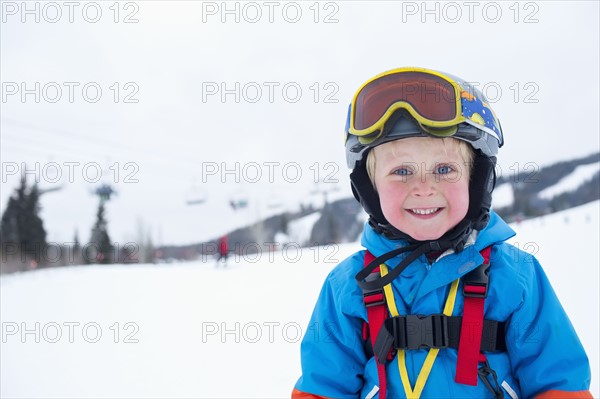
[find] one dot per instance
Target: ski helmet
(417, 102)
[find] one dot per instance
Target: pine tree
(21, 226)
(100, 238)
(76, 257)
(34, 227)
(9, 230)
(76, 243)
(12, 219)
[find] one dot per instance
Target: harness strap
(415, 393)
(472, 325)
(376, 314)
(475, 285)
(438, 331)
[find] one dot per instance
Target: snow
(299, 230)
(196, 330)
(566, 244)
(581, 174)
(503, 196)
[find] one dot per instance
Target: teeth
(425, 211)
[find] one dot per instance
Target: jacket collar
(496, 231)
(446, 268)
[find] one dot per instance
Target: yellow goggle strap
(430, 359)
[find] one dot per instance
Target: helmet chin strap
(453, 239)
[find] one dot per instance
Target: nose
(424, 185)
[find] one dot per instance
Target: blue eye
(402, 172)
(443, 169)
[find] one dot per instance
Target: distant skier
(223, 251)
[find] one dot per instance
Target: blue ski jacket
(544, 357)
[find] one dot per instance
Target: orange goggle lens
(432, 97)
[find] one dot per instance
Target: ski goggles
(436, 101)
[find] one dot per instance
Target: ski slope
(193, 330)
(572, 181)
(503, 196)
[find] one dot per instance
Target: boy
(439, 305)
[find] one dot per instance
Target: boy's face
(423, 185)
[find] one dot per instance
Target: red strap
(376, 314)
(470, 333)
(369, 257)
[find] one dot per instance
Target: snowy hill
(572, 181)
(533, 190)
(504, 196)
(194, 330)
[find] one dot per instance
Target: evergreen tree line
(23, 244)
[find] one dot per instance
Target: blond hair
(464, 149)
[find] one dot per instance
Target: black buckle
(419, 332)
(369, 302)
(369, 293)
(478, 277)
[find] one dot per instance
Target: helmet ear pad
(365, 193)
(481, 185)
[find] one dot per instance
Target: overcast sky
(178, 100)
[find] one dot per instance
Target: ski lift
(104, 192)
(238, 200)
(237, 204)
(322, 189)
(49, 189)
(52, 176)
(274, 205)
(275, 202)
(196, 196)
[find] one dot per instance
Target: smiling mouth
(424, 211)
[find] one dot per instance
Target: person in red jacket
(223, 250)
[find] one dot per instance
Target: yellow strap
(431, 355)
